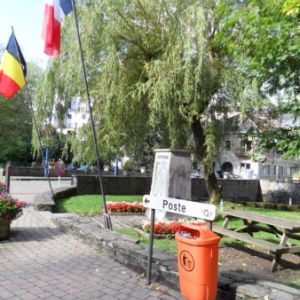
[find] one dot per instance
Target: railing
(243, 153)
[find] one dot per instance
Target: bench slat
(251, 240)
(278, 222)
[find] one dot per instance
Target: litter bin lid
(196, 235)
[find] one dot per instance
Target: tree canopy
(170, 70)
(16, 122)
(266, 43)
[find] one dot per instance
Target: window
(69, 116)
(266, 170)
(82, 109)
(244, 167)
(278, 170)
(294, 170)
(83, 116)
(281, 170)
(245, 146)
(228, 145)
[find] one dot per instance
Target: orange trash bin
(197, 250)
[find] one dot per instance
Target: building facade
(76, 116)
(237, 158)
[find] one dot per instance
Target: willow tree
(163, 69)
(153, 68)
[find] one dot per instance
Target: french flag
(54, 12)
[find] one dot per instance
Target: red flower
(125, 207)
(167, 228)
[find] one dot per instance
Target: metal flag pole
(32, 114)
(39, 139)
(107, 219)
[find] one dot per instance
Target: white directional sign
(183, 207)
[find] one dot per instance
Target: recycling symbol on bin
(187, 261)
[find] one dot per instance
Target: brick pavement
(41, 262)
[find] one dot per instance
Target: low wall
(120, 185)
(45, 201)
(232, 189)
(241, 190)
(280, 192)
(235, 190)
(30, 172)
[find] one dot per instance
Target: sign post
(187, 208)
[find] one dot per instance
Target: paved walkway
(41, 262)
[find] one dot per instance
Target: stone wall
(232, 189)
(30, 172)
(280, 192)
(235, 190)
(120, 185)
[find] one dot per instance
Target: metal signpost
(206, 212)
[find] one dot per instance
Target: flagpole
(39, 138)
(107, 219)
(33, 116)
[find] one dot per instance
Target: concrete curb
(45, 201)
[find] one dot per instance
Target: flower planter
(4, 228)
(10, 209)
(167, 229)
(125, 208)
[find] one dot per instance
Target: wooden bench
(284, 229)
(274, 249)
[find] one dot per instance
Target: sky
(26, 18)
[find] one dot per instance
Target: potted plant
(10, 209)
(127, 167)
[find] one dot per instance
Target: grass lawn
(166, 244)
(91, 205)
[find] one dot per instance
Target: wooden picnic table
(254, 222)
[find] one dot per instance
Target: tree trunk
(213, 189)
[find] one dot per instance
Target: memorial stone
(171, 177)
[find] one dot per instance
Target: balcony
(243, 153)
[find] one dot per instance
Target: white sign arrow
(183, 207)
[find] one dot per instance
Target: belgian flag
(12, 69)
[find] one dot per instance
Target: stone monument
(171, 177)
